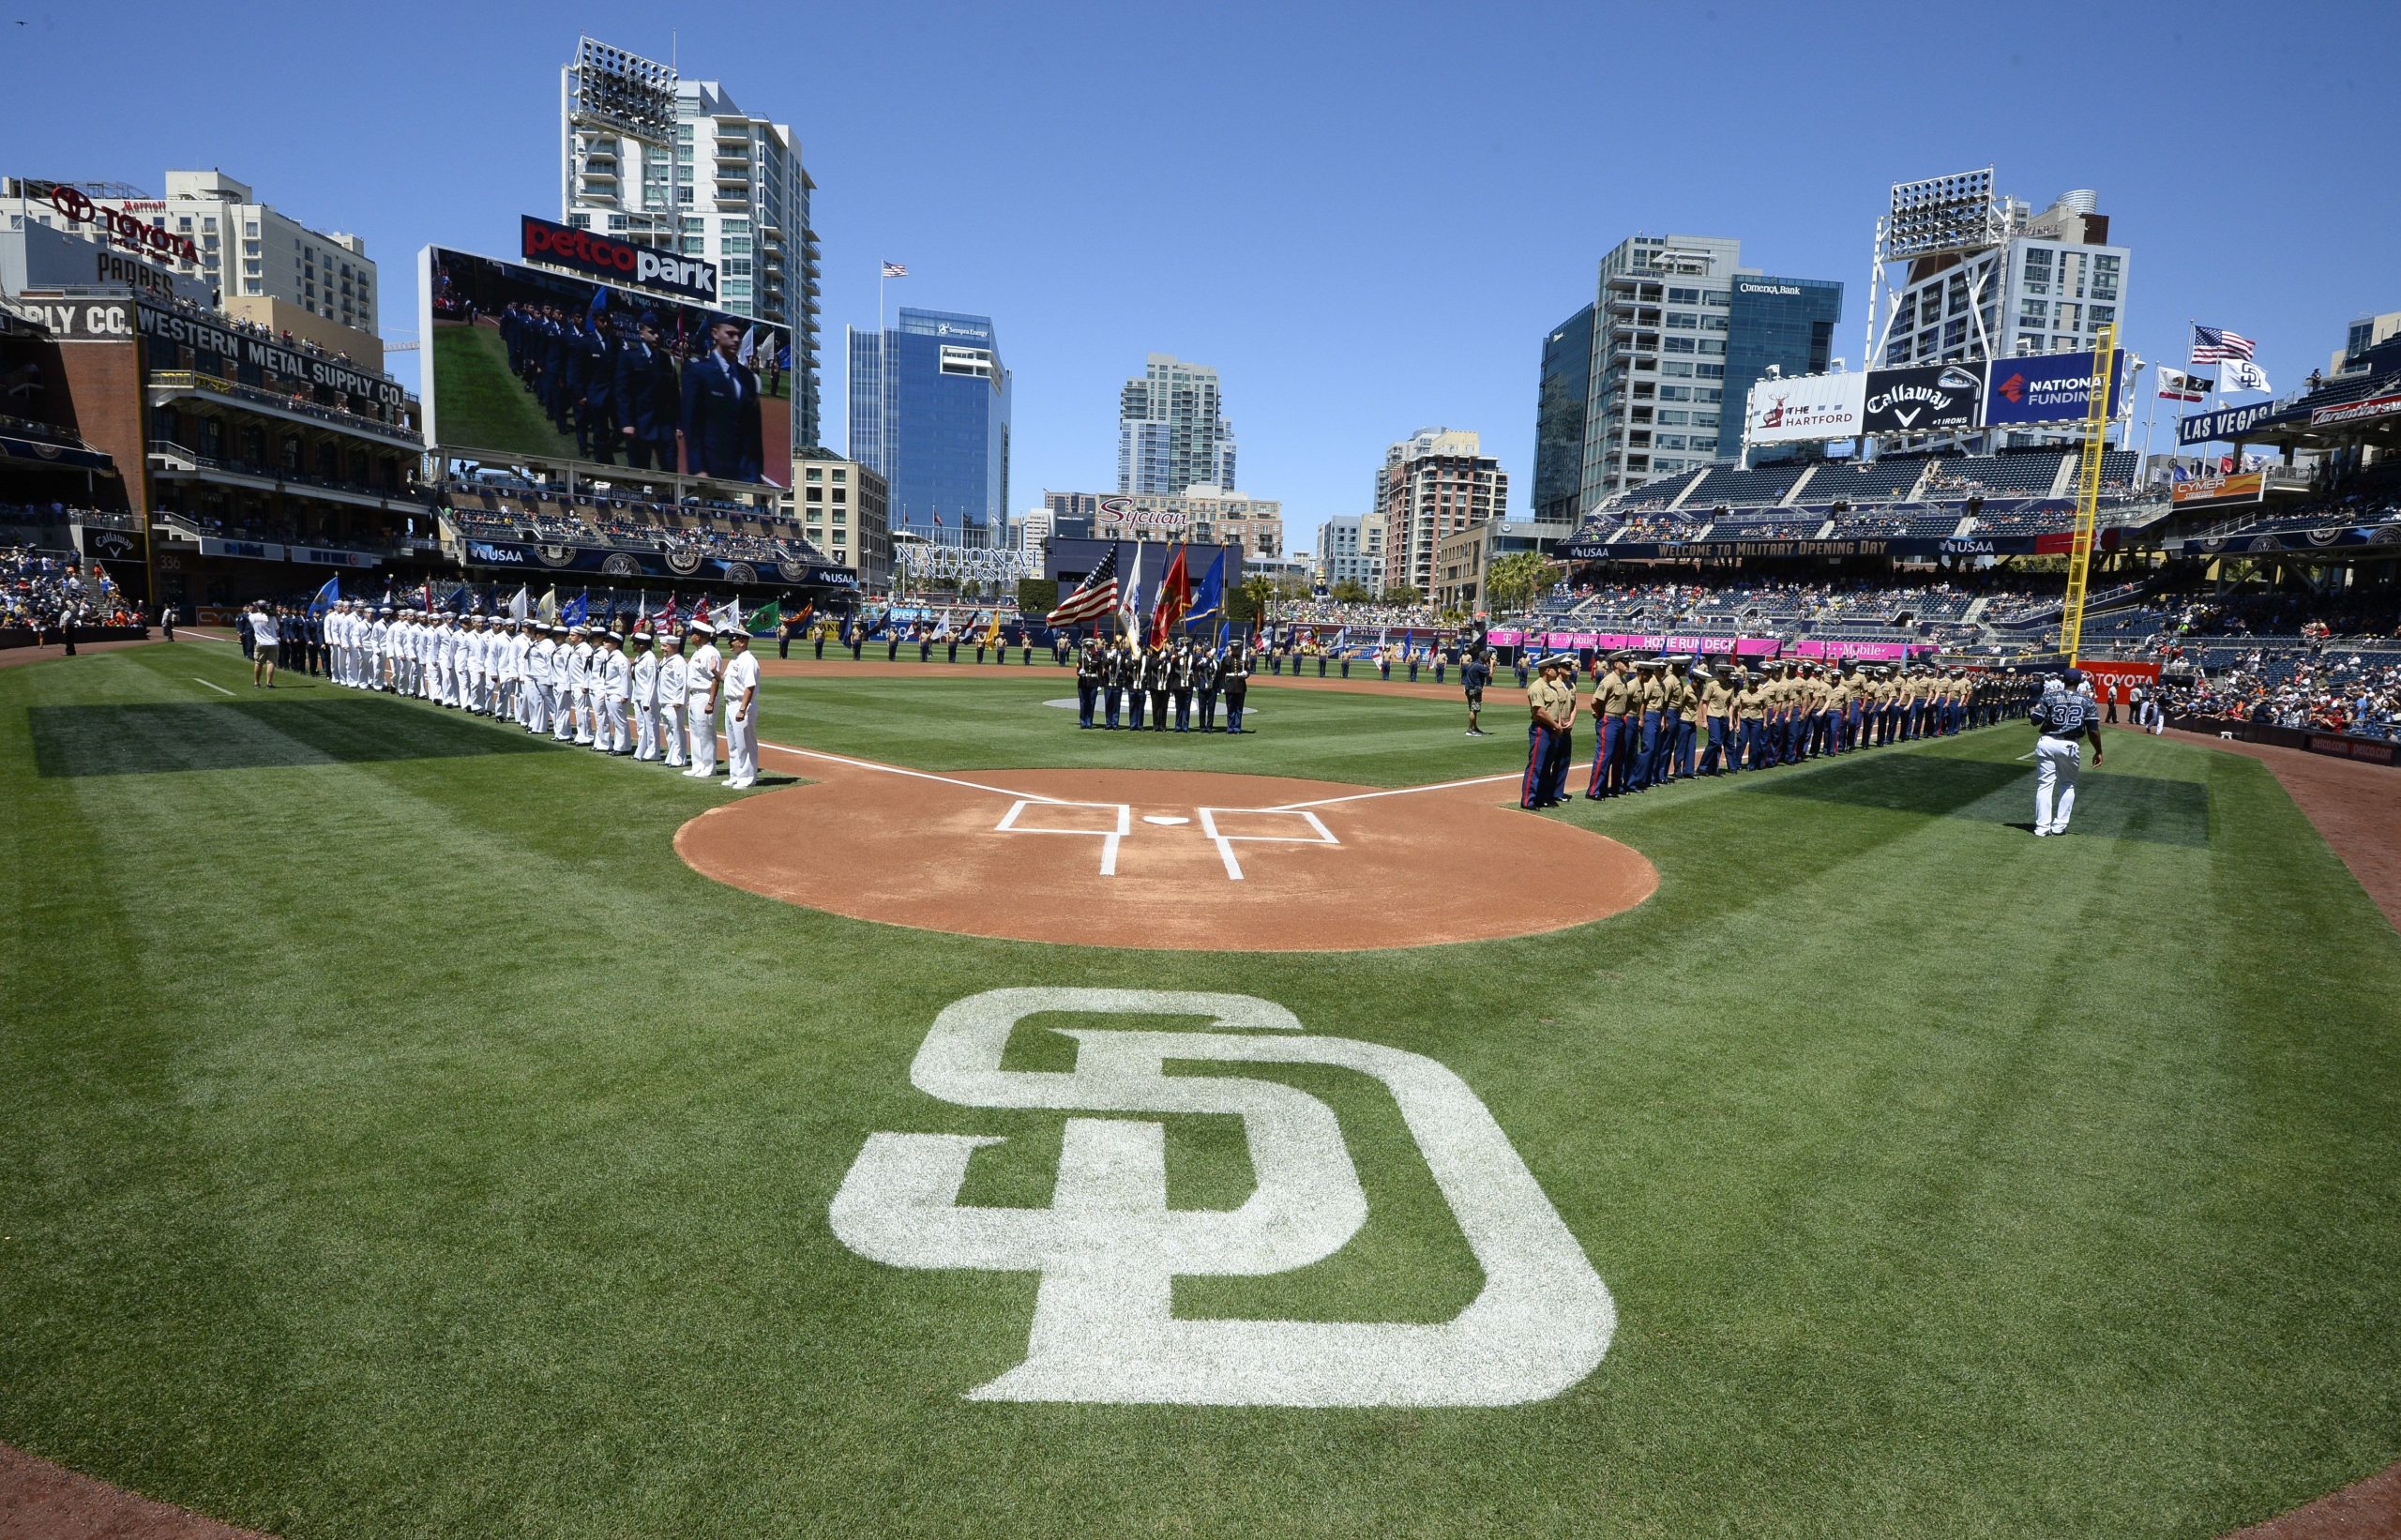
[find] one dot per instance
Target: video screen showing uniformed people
(530, 362)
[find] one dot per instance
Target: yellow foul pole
(2088, 493)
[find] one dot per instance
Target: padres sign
(1109, 1249)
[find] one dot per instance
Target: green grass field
(478, 401)
(396, 1138)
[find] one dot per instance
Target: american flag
(2215, 345)
(895, 270)
(1094, 598)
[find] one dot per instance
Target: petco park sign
(613, 261)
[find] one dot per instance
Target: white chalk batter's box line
(1121, 825)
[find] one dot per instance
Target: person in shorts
(265, 639)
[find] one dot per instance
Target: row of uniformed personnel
(578, 684)
(1171, 677)
(1652, 714)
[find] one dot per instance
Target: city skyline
(1306, 288)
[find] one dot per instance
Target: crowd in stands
(1357, 616)
(44, 591)
(2333, 694)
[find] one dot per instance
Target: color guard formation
(1121, 684)
(614, 693)
(1657, 718)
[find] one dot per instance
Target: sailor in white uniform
(612, 689)
(704, 675)
(741, 694)
(645, 685)
(672, 671)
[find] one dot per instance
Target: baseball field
(411, 1127)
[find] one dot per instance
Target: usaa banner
(2049, 387)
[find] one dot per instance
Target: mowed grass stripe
(477, 1183)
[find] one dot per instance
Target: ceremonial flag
(2176, 386)
(576, 609)
(424, 596)
(326, 597)
(1130, 600)
(764, 619)
(750, 349)
(2243, 374)
(1175, 597)
(992, 633)
(1341, 639)
(2216, 344)
(520, 603)
(1211, 596)
(547, 612)
(1094, 598)
(894, 269)
(701, 611)
(456, 602)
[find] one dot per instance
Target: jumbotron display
(525, 361)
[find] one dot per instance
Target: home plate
(1164, 820)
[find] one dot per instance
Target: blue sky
(1365, 218)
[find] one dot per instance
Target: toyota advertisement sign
(2048, 387)
(1805, 407)
(1927, 399)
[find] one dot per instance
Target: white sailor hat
(561, 631)
(613, 636)
(578, 631)
(642, 636)
(703, 627)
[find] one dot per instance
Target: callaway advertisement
(1927, 399)
(2048, 387)
(1813, 406)
(528, 362)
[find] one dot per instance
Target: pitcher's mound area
(1168, 860)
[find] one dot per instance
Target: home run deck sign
(1109, 1249)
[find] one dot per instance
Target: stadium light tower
(1940, 215)
(607, 96)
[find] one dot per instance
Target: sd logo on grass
(1107, 1249)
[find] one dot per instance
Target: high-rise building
(1559, 417)
(930, 412)
(1351, 549)
(1679, 330)
(1171, 430)
(1434, 482)
(845, 508)
(2360, 336)
(663, 161)
(251, 255)
(2015, 282)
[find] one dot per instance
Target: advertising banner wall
(207, 334)
(2374, 407)
(529, 362)
(1813, 406)
(2048, 387)
(2229, 424)
(1892, 651)
(683, 566)
(1923, 399)
(2248, 487)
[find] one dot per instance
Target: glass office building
(1559, 419)
(1784, 321)
(930, 412)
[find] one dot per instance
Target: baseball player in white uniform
(2063, 717)
(741, 712)
(703, 674)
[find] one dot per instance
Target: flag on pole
(1129, 599)
(547, 612)
(2216, 344)
(766, 618)
(894, 269)
(1094, 598)
(575, 612)
(2243, 374)
(1175, 598)
(2176, 386)
(748, 351)
(701, 611)
(1210, 599)
(520, 604)
(993, 632)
